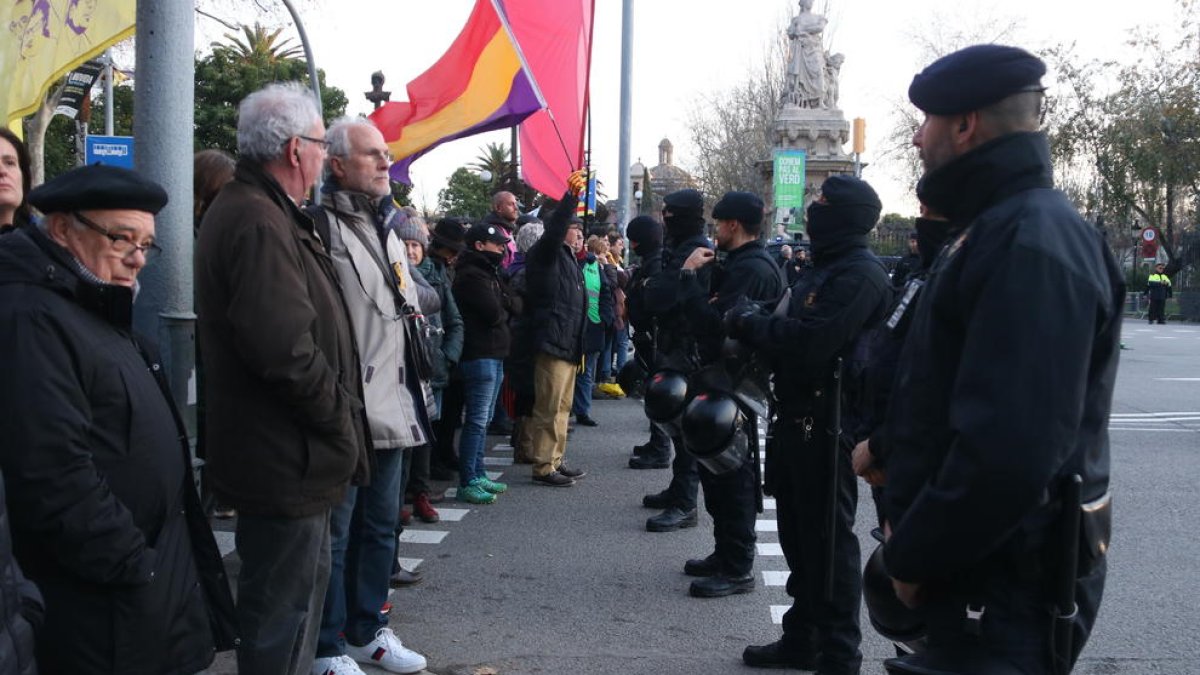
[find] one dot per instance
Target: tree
(465, 194)
(234, 70)
(496, 160)
(1131, 155)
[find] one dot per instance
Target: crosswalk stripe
(768, 503)
(494, 475)
(452, 515)
(410, 564)
(410, 536)
(225, 542)
(773, 578)
(497, 461)
(766, 525)
(765, 549)
(777, 612)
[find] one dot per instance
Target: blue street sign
(109, 150)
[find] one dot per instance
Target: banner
(46, 39)
(79, 85)
(789, 183)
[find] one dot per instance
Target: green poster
(789, 189)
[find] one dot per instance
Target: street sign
(1149, 243)
(109, 150)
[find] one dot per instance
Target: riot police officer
(808, 461)
(1004, 389)
(646, 240)
(677, 350)
(748, 274)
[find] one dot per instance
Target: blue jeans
(481, 385)
(582, 404)
(621, 347)
(362, 547)
(616, 344)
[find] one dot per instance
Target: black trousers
(801, 476)
(730, 499)
(443, 454)
(1158, 310)
(685, 478)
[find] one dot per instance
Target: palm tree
(258, 43)
(495, 159)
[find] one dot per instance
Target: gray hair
(528, 235)
(338, 134)
(270, 116)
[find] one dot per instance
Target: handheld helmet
(632, 377)
(666, 394)
(888, 615)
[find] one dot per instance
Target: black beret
(644, 229)
(974, 78)
(744, 207)
(484, 232)
(685, 199)
(98, 188)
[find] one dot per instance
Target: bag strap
(388, 271)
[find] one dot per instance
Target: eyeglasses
(121, 243)
(378, 155)
(319, 141)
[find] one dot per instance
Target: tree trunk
(35, 134)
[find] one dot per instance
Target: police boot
(779, 655)
(658, 500)
(650, 460)
(721, 585)
(703, 567)
(672, 519)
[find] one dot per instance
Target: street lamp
(637, 200)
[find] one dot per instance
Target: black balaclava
(647, 233)
(840, 221)
(683, 215)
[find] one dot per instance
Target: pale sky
(690, 51)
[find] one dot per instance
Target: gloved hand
(576, 182)
(735, 317)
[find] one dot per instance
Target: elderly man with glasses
(286, 433)
(104, 514)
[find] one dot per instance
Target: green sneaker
(490, 485)
(475, 494)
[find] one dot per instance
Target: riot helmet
(888, 615)
(666, 394)
(712, 429)
(632, 377)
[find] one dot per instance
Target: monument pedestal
(820, 133)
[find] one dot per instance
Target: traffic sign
(109, 150)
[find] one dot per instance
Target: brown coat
(285, 431)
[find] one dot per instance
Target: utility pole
(623, 193)
(163, 106)
(108, 93)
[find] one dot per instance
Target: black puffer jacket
(105, 515)
(557, 300)
(486, 304)
(20, 606)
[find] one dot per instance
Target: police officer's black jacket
(664, 297)
(1006, 377)
(650, 264)
(846, 290)
(749, 272)
(104, 512)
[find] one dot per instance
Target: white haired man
(375, 279)
(286, 434)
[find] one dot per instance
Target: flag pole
(537, 90)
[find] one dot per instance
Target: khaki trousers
(554, 387)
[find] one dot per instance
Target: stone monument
(809, 118)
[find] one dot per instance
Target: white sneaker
(336, 665)
(388, 653)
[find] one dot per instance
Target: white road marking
(1166, 337)
(409, 536)
(777, 612)
(497, 461)
(766, 525)
(1177, 379)
(410, 564)
(769, 549)
(768, 503)
(1179, 431)
(773, 578)
(494, 475)
(500, 447)
(225, 542)
(451, 515)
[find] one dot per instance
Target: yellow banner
(43, 40)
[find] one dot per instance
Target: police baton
(835, 448)
(1065, 610)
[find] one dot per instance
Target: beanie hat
(412, 230)
(646, 231)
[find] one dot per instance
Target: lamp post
(637, 200)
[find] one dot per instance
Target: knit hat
(412, 230)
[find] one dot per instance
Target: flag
(587, 201)
(478, 85)
(556, 38)
(46, 39)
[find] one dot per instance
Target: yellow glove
(582, 365)
(577, 181)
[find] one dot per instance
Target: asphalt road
(556, 581)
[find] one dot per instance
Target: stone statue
(833, 68)
(806, 68)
